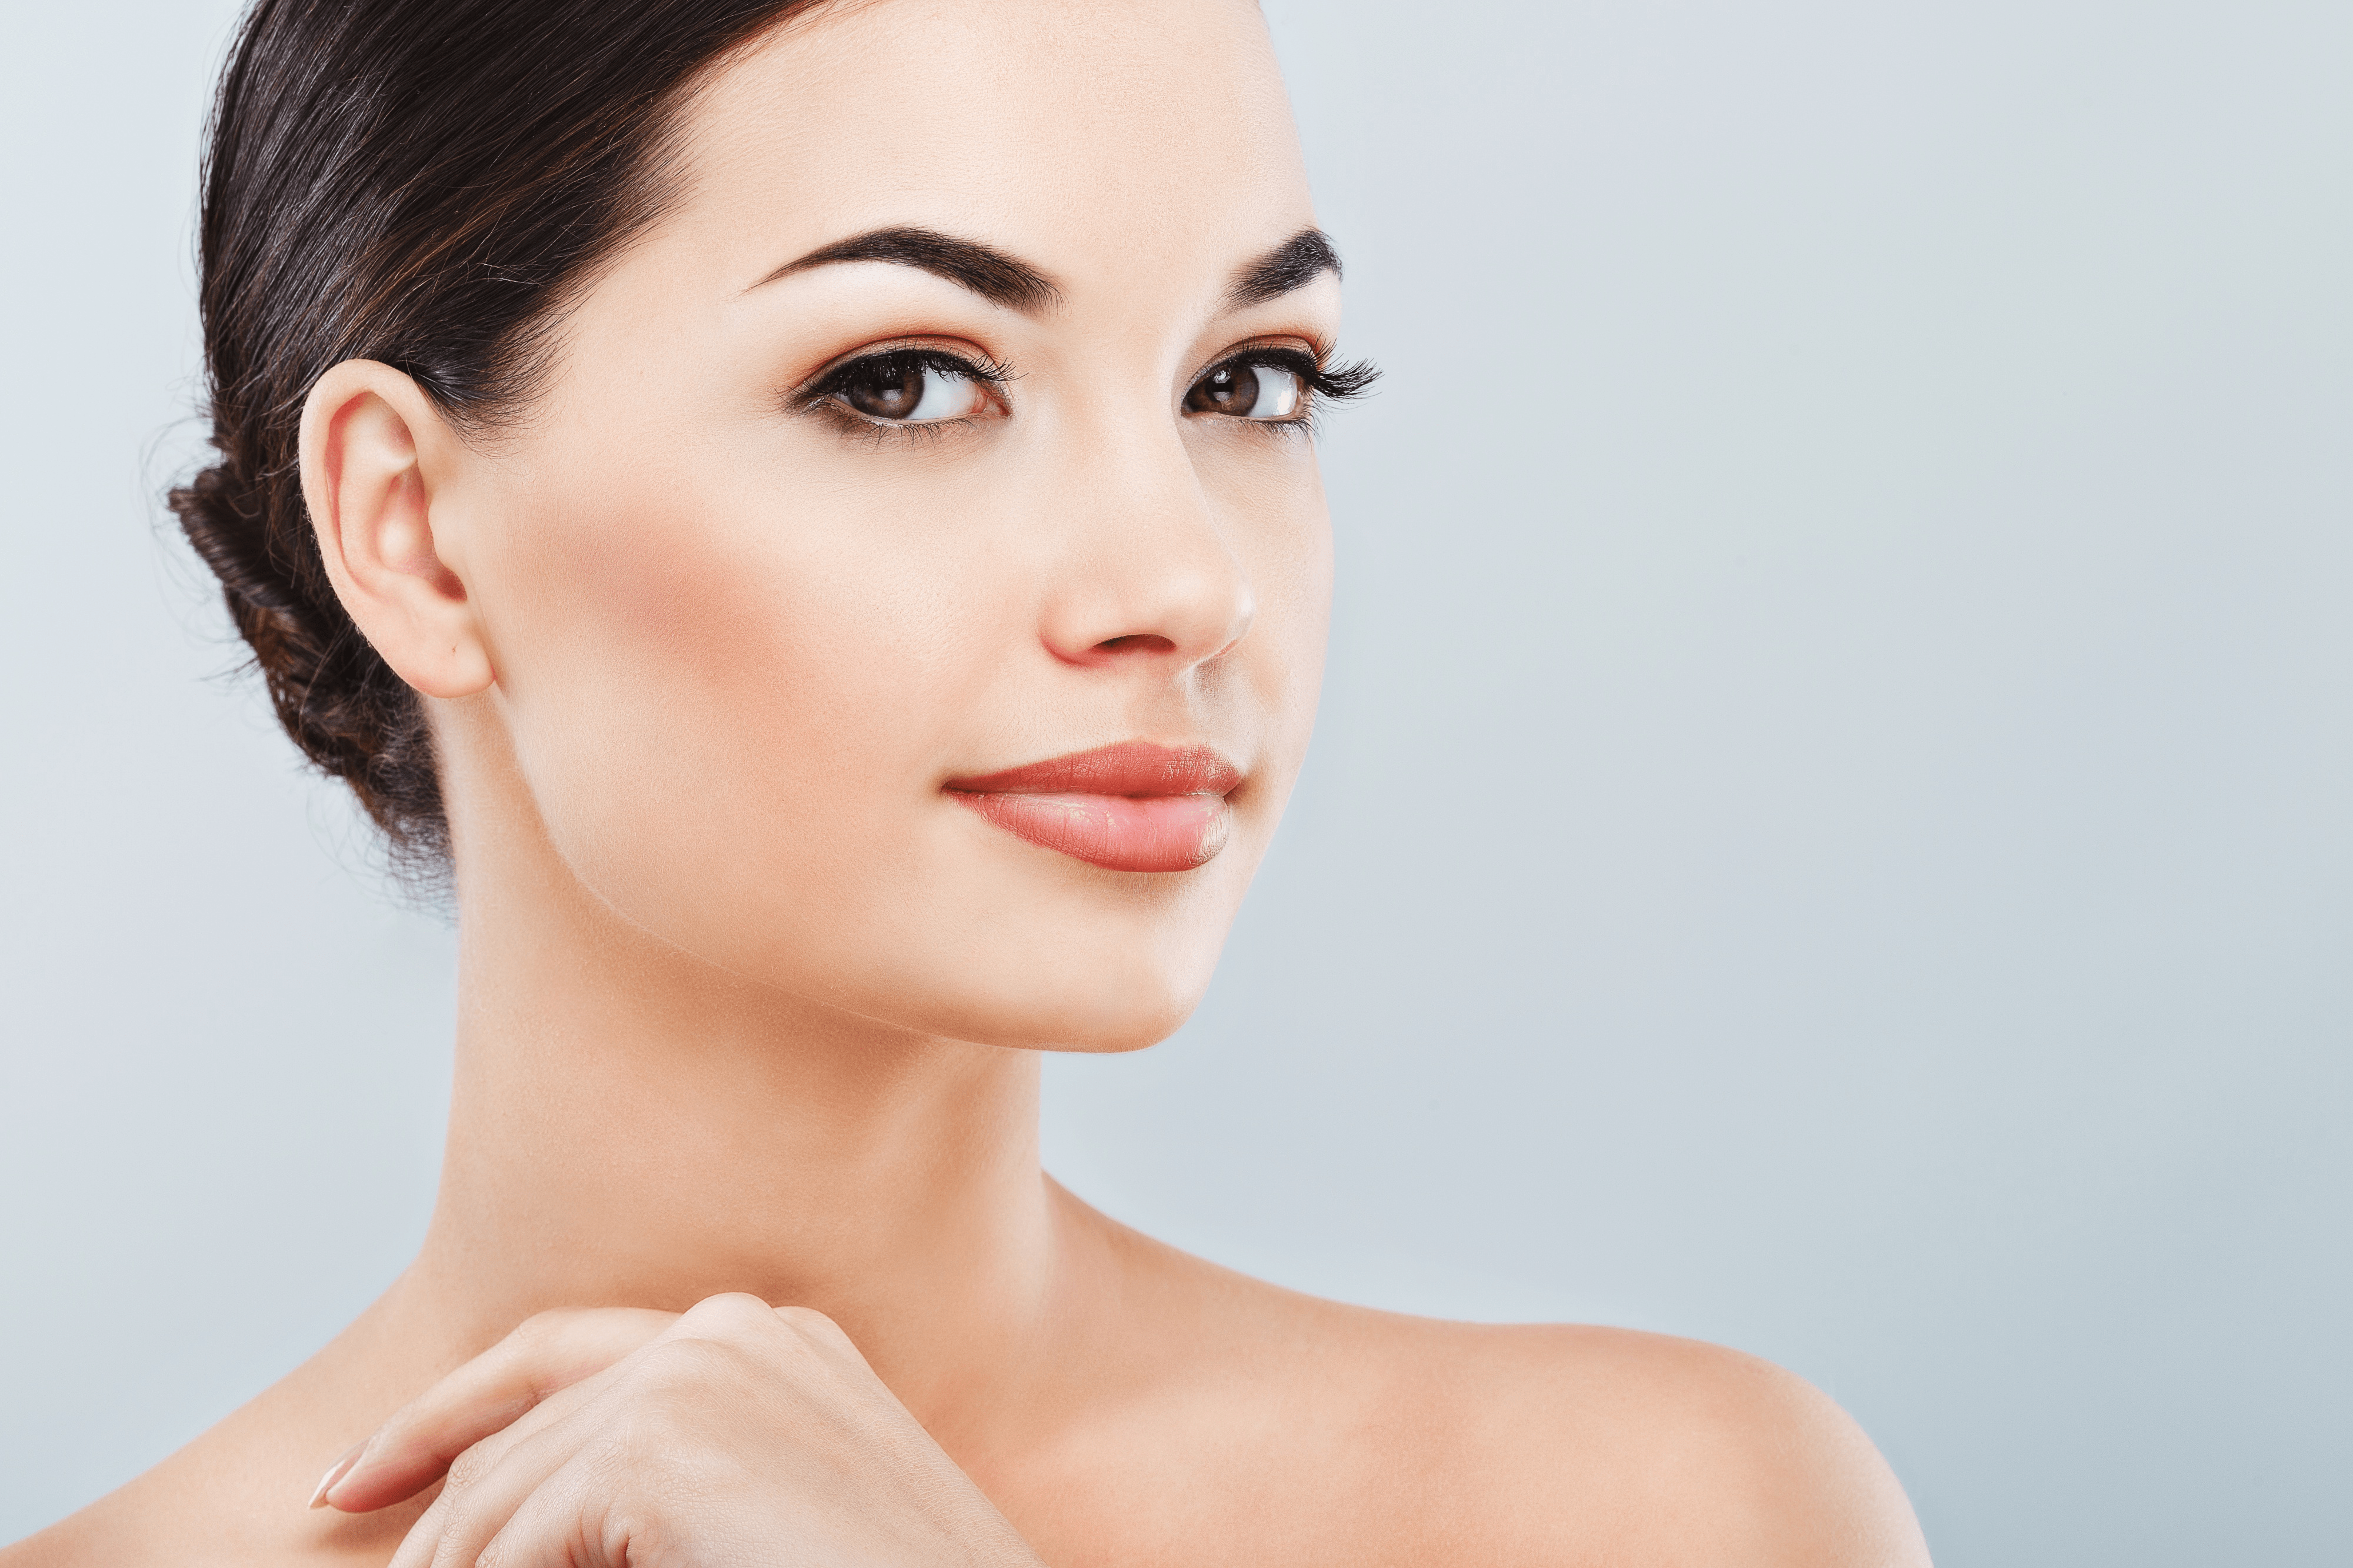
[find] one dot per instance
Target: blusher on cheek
(649, 630)
(733, 709)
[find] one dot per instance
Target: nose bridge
(1148, 570)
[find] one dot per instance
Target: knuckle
(684, 1365)
(815, 1327)
(466, 1470)
(731, 1310)
(542, 1329)
(809, 1319)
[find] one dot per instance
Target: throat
(639, 1143)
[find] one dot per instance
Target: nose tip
(1185, 601)
(1148, 578)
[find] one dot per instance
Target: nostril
(1136, 642)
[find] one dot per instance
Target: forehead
(1103, 139)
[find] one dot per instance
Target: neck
(632, 1127)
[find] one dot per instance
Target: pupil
(1228, 389)
(890, 391)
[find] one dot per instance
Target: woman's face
(792, 546)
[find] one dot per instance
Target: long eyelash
(1345, 381)
(995, 372)
(1336, 383)
(819, 395)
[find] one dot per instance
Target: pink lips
(1134, 806)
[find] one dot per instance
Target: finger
(490, 1480)
(558, 1499)
(467, 1468)
(823, 1334)
(417, 1547)
(505, 1489)
(549, 1353)
(738, 1318)
(568, 1521)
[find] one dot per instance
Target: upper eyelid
(1307, 364)
(1298, 348)
(987, 367)
(980, 365)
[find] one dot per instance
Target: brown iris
(1228, 389)
(889, 387)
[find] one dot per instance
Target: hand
(737, 1433)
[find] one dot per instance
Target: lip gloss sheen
(1134, 806)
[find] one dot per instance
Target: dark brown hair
(423, 183)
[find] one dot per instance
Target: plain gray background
(1855, 533)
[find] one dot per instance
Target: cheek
(720, 682)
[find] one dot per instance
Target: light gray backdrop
(1857, 533)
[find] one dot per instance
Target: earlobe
(370, 440)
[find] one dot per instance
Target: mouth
(1134, 806)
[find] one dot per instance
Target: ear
(374, 446)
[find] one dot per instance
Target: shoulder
(1569, 1444)
(155, 1518)
(196, 1510)
(1374, 1437)
(131, 1526)
(234, 1496)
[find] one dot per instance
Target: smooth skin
(750, 1008)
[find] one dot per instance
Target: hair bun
(363, 200)
(332, 692)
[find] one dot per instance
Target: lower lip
(1123, 833)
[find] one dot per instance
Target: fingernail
(337, 1471)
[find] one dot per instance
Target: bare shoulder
(1312, 1432)
(157, 1518)
(138, 1523)
(1570, 1444)
(236, 1495)
(84, 1538)
(192, 1511)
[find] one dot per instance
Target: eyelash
(823, 395)
(1322, 385)
(1336, 383)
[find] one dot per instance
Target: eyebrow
(1007, 280)
(1295, 264)
(995, 277)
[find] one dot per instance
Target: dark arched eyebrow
(995, 277)
(1295, 264)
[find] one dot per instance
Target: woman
(807, 512)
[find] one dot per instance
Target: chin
(1091, 1001)
(1091, 973)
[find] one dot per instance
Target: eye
(1262, 389)
(909, 386)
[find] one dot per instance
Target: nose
(1149, 574)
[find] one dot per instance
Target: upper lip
(1132, 768)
